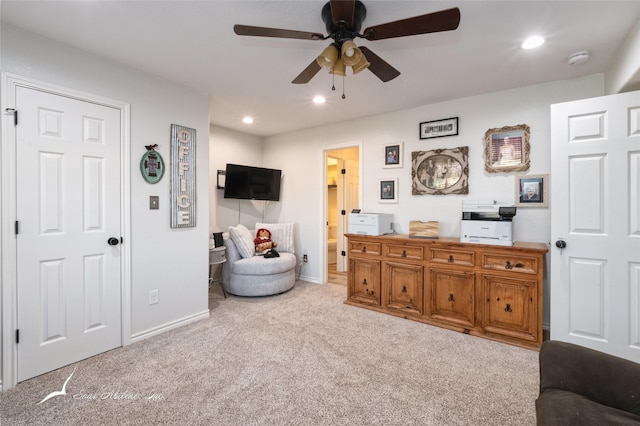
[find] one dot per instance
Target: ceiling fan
(343, 20)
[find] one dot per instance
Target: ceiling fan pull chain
(343, 96)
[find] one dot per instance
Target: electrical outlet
(305, 259)
(154, 297)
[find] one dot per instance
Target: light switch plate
(154, 202)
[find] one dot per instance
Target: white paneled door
(348, 196)
(68, 241)
(595, 216)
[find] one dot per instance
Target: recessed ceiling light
(247, 120)
(533, 42)
(319, 100)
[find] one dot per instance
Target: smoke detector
(578, 58)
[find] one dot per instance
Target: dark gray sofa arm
(602, 378)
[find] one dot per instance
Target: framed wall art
(532, 191)
(440, 171)
(439, 128)
(393, 155)
(388, 188)
(507, 149)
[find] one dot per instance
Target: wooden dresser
(483, 290)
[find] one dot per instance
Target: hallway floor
(335, 277)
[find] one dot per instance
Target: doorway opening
(343, 183)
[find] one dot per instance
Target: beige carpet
(301, 358)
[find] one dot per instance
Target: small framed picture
(388, 190)
(439, 128)
(532, 191)
(393, 155)
(507, 149)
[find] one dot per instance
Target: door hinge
(343, 212)
(17, 336)
(343, 171)
(343, 253)
(14, 112)
(17, 227)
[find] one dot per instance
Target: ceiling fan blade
(309, 72)
(445, 20)
(342, 11)
(248, 30)
(379, 66)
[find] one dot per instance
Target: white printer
(370, 223)
(487, 223)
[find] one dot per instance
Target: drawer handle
(404, 253)
(404, 288)
(450, 259)
(508, 308)
(364, 282)
(508, 265)
(364, 249)
(450, 299)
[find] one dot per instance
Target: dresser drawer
(364, 247)
(510, 262)
(452, 257)
(404, 252)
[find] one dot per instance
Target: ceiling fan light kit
(362, 64)
(339, 68)
(343, 20)
(328, 57)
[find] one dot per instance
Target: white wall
(623, 74)
(300, 156)
(171, 260)
(230, 146)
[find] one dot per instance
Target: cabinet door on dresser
(364, 281)
(452, 297)
(404, 287)
(511, 307)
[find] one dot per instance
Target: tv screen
(252, 183)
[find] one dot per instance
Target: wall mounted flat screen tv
(252, 183)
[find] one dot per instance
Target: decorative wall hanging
(151, 165)
(507, 149)
(393, 155)
(532, 191)
(183, 177)
(440, 171)
(439, 128)
(388, 188)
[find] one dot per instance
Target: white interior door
(348, 196)
(68, 206)
(595, 172)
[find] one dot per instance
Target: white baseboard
(169, 326)
(308, 279)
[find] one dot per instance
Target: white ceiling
(193, 43)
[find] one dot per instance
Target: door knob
(113, 241)
(561, 244)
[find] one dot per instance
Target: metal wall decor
(183, 177)
(152, 165)
(440, 171)
(506, 149)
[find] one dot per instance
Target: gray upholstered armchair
(248, 274)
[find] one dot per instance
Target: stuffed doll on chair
(263, 241)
